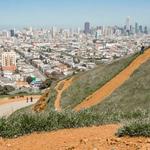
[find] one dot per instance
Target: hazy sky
(73, 12)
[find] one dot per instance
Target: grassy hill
(133, 94)
(128, 105)
(87, 83)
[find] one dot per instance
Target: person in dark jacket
(31, 99)
(142, 49)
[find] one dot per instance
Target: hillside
(133, 94)
(127, 104)
(115, 83)
(86, 83)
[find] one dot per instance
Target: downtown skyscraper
(87, 28)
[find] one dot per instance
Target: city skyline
(66, 13)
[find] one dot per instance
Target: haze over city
(69, 13)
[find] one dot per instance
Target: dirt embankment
(61, 86)
(92, 138)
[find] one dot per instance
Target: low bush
(137, 127)
(5, 90)
(27, 122)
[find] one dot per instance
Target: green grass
(128, 105)
(133, 94)
(28, 122)
(51, 99)
(87, 83)
(136, 127)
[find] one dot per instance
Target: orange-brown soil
(61, 86)
(42, 102)
(90, 138)
(16, 99)
(113, 84)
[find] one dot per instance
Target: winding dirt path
(61, 86)
(89, 138)
(7, 100)
(9, 108)
(113, 84)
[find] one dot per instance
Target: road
(9, 108)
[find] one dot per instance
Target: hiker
(142, 49)
(31, 99)
(27, 99)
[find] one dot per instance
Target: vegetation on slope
(5, 90)
(87, 83)
(129, 104)
(133, 94)
(26, 123)
(136, 127)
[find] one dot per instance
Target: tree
(29, 79)
(6, 89)
(47, 83)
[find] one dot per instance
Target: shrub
(29, 79)
(139, 127)
(26, 123)
(5, 90)
(47, 83)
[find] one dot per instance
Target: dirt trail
(113, 84)
(42, 102)
(9, 108)
(16, 99)
(89, 138)
(61, 86)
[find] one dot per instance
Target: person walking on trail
(31, 99)
(142, 49)
(27, 99)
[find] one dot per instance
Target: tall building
(8, 61)
(141, 29)
(98, 34)
(54, 31)
(128, 24)
(12, 32)
(87, 27)
(145, 30)
(136, 28)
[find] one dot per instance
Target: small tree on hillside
(29, 79)
(47, 83)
